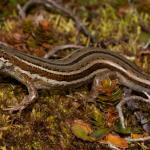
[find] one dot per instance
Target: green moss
(28, 26)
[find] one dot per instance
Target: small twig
(113, 147)
(50, 4)
(138, 139)
(62, 47)
(119, 106)
(29, 4)
(78, 22)
(146, 45)
(20, 11)
(148, 96)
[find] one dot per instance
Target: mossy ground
(119, 26)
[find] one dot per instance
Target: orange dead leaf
(45, 25)
(117, 141)
(136, 136)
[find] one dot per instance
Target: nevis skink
(82, 66)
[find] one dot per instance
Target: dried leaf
(117, 141)
(82, 130)
(45, 25)
(136, 136)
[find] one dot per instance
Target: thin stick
(146, 45)
(23, 10)
(62, 47)
(119, 106)
(148, 96)
(138, 139)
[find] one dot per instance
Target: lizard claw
(14, 109)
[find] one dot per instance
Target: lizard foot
(14, 109)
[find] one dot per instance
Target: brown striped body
(80, 67)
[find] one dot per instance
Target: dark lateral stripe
(104, 53)
(85, 52)
(81, 54)
(69, 78)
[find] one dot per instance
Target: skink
(82, 66)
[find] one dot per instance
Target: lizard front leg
(28, 99)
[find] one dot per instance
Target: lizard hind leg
(127, 97)
(122, 120)
(123, 102)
